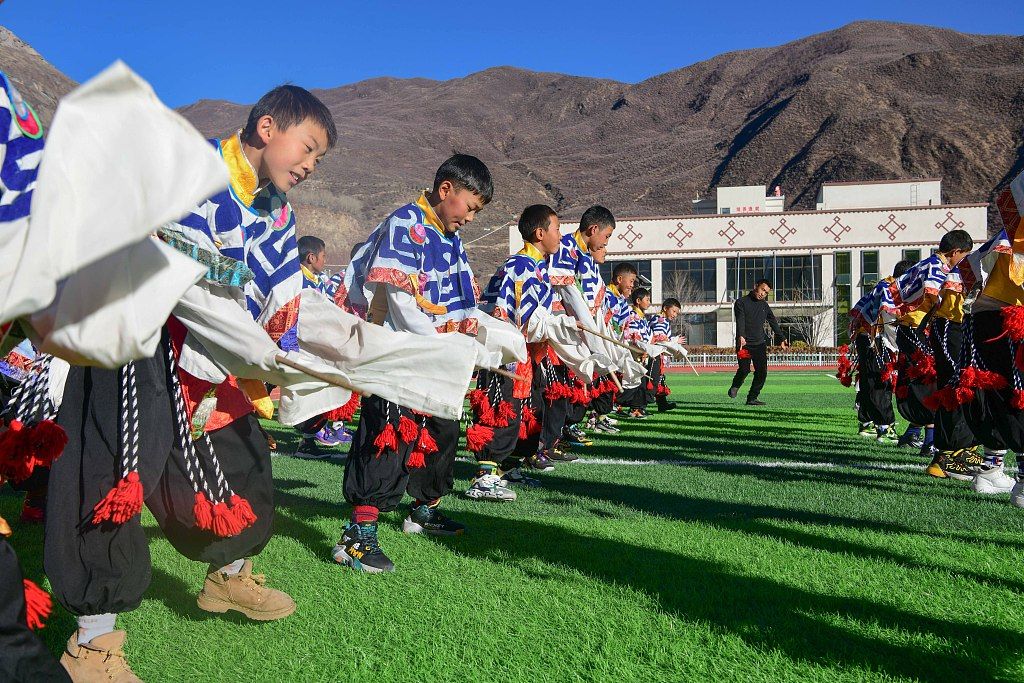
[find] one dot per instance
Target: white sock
(233, 568)
(94, 625)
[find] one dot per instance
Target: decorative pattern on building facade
(630, 235)
(731, 233)
(680, 234)
(783, 231)
(837, 229)
(956, 225)
(891, 227)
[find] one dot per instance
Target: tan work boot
(101, 659)
(244, 592)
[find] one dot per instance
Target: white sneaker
(490, 487)
(611, 420)
(994, 480)
(1017, 492)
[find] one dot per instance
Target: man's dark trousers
(759, 357)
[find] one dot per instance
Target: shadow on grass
(767, 615)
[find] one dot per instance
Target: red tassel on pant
(407, 430)
(1018, 399)
(425, 445)
(121, 503)
(38, 605)
(243, 511)
(387, 440)
(202, 510)
(478, 436)
(345, 412)
(225, 523)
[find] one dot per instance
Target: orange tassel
(38, 605)
(386, 440)
(121, 503)
(202, 510)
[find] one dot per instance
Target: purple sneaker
(328, 437)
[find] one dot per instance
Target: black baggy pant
(505, 438)
(951, 430)
(874, 397)
(382, 480)
(759, 359)
(913, 392)
(991, 416)
(106, 568)
(550, 413)
(23, 657)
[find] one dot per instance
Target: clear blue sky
(236, 50)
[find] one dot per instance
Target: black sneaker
(359, 549)
(311, 449)
(956, 467)
(667, 406)
(515, 477)
(539, 462)
(562, 454)
(733, 392)
(755, 402)
(424, 519)
(907, 441)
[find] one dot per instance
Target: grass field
(728, 559)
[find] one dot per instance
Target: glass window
(689, 280)
(843, 294)
(868, 271)
(643, 268)
(699, 328)
(912, 255)
(794, 278)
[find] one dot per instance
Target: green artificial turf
(708, 566)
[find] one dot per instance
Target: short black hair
(534, 217)
(763, 281)
(639, 293)
(466, 172)
(901, 267)
(310, 245)
(290, 105)
(623, 268)
(956, 240)
(597, 215)
(671, 302)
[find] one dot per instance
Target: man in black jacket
(752, 312)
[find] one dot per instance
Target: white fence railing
(806, 359)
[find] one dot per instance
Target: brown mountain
(37, 81)
(870, 100)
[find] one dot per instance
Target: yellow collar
(532, 251)
(614, 290)
(244, 181)
(429, 216)
(308, 274)
(580, 243)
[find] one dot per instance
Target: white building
(819, 261)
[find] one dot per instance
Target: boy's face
(457, 206)
(550, 237)
(956, 256)
(316, 262)
(644, 303)
(597, 236)
(599, 255)
(291, 154)
(625, 283)
(671, 312)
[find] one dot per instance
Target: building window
(643, 268)
(912, 255)
(794, 278)
(726, 210)
(798, 328)
(868, 271)
(690, 280)
(843, 294)
(700, 328)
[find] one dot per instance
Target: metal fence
(789, 359)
